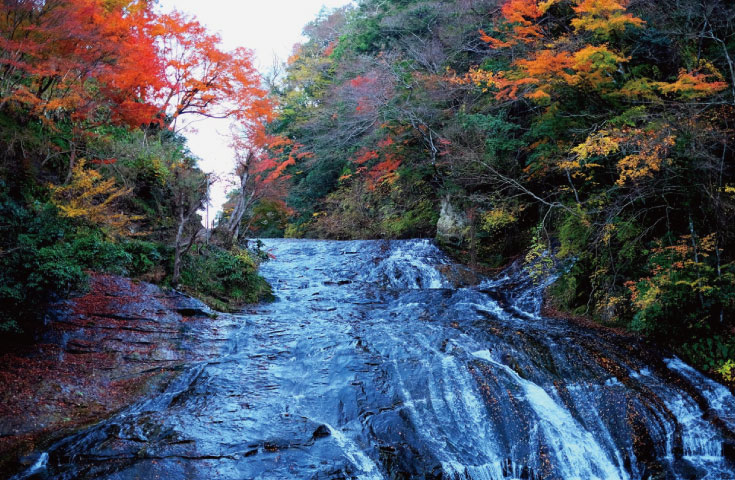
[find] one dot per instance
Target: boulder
(453, 225)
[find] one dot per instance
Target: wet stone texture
(101, 352)
(382, 360)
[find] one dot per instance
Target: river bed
(372, 364)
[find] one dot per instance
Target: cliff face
(100, 352)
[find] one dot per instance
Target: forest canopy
(95, 174)
(600, 130)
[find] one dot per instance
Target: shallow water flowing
(375, 364)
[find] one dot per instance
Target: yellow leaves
(607, 232)
(682, 264)
(645, 151)
(544, 6)
(727, 370)
(497, 219)
(707, 244)
(597, 59)
(702, 82)
(554, 62)
(592, 66)
(640, 88)
(603, 17)
(91, 198)
(647, 298)
(650, 151)
(478, 77)
(600, 144)
(637, 166)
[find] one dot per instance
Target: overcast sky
(270, 28)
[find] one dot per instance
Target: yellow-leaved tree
(91, 198)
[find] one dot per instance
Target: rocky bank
(100, 352)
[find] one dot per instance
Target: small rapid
(375, 363)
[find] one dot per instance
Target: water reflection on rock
(374, 364)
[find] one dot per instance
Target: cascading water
(372, 365)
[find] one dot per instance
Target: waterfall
(372, 364)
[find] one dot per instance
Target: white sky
(270, 28)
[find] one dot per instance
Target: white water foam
(38, 466)
(451, 398)
(411, 265)
(368, 468)
(720, 399)
(701, 444)
(579, 455)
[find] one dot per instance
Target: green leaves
(224, 279)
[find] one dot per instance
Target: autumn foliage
(94, 171)
(601, 130)
(121, 62)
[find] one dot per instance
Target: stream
(373, 364)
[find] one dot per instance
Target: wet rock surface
(101, 352)
(373, 364)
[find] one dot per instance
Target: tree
(90, 59)
(189, 190)
(96, 200)
(202, 79)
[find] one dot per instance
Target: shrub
(44, 256)
(224, 279)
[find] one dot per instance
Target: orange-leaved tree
(200, 78)
(90, 60)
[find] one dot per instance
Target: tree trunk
(243, 201)
(178, 252)
(72, 162)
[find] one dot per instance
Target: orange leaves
(202, 79)
(546, 63)
(523, 19)
(78, 57)
(494, 42)
(385, 171)
(523, 14)
(367, 92)
(547, 69)
(595, 66)
(362, 81)
(592, 66)
(364, 156)
(649, 151)
(329, 50)
(100, 60)
(280, 168)
(703, 82)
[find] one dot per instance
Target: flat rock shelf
(375, 363)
